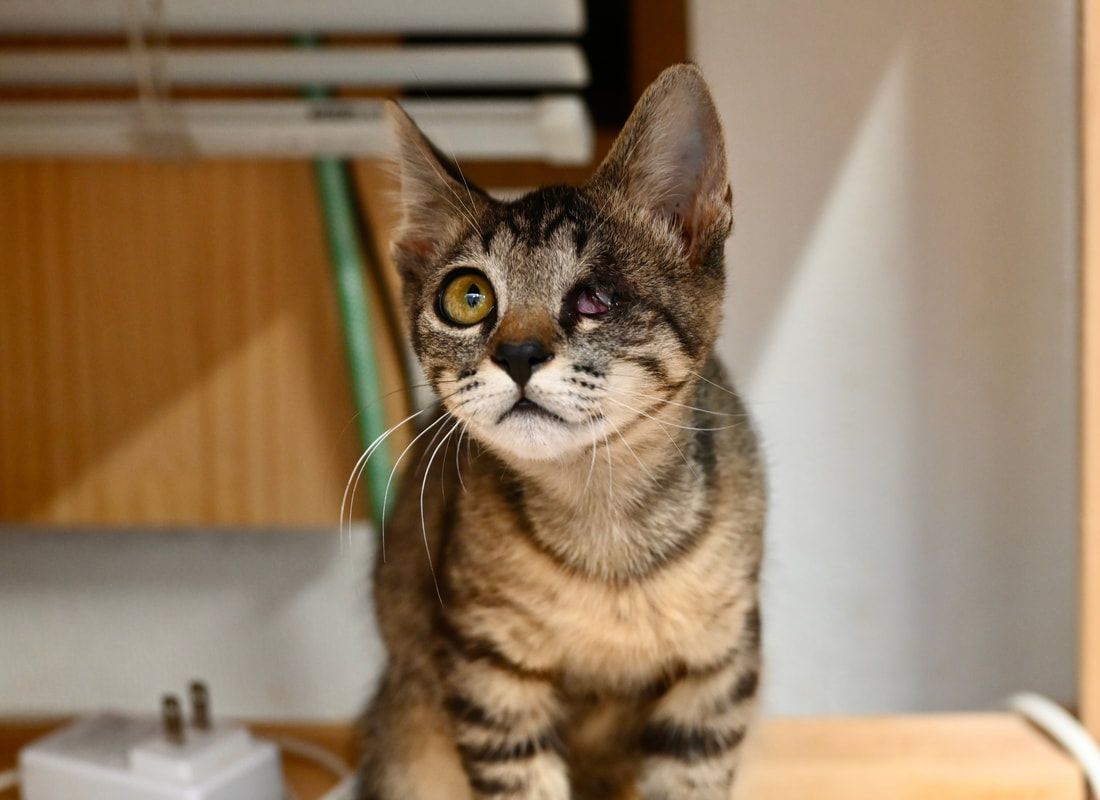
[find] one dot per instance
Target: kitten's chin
(530, 437)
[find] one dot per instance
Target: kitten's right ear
(436, 200)
(670, 160)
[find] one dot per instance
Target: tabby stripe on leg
(748, 642)
(469, 712)
(489, 786)
(712, 668)
(742, 690)
(505, 751)
(687, 744)
(745, 687)
(478, 649)
(751, 634)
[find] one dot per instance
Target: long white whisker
(582, 498)
(641, 464)
(431, 442)
(610, 472)
(667, 402)
(671, 424)
(380, 398)
(443, 460)
(661, 424)
(360, 465)
(389, 482)
(712, 383)
(347, 503)
(423, 524)
(357, 474)
(592, 466)
(458, 450)
(469, 451)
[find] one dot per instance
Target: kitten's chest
(625, 635)
(629, 634)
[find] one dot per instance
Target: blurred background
(177, 416)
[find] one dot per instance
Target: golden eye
(466, 298)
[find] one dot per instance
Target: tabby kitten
(585, 621)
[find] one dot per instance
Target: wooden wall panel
(169, 346)
(1090, 365)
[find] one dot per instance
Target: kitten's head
(550, 322)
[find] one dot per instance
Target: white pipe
(555, 128)
(1060, 725)
(344, 790)
(559, 17)
(475, 66)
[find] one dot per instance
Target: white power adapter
(118, 757)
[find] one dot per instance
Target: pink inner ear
(674, 170)
(670, 157)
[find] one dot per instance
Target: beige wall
(902, 315)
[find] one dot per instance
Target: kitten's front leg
(691, 743)
(505, 722)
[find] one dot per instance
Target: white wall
(902, 316)
(277, 622)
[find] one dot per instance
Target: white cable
(1060, 725)
(342, 791)
(322, 757)
(9, 779)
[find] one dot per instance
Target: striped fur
(589, 626)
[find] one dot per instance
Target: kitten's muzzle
(520, 359)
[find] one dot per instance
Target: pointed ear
(670, 159)
(436, 201)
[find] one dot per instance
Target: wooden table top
(918, 757)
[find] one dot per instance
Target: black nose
(520, 359)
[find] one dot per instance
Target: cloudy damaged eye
(466, 298)
(591, 301)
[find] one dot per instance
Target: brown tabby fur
(588, 623)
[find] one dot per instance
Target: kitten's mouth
(527, 407)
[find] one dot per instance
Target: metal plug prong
(200, 705)
(172, 719)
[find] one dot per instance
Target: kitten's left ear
(670, 159)
(436, 200)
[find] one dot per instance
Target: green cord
(334, 187)
(346, 254)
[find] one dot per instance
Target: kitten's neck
(622, 505)
(615, 470)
